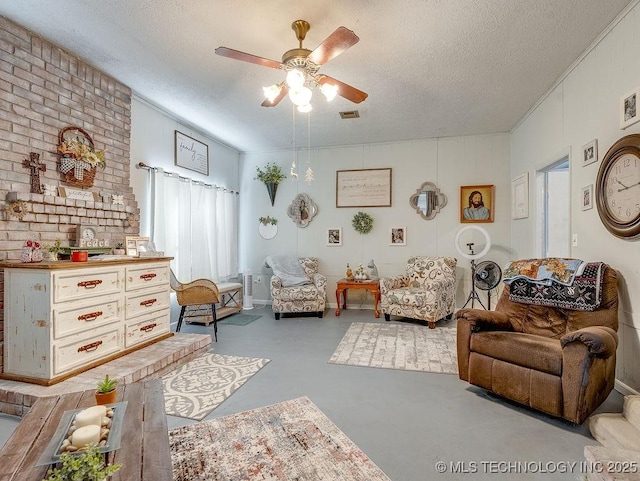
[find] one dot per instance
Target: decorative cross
(33, 163)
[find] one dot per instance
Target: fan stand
(473, 295)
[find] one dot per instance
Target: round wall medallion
(18, 209)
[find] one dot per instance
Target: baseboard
(623, 389)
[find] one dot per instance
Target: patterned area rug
(399, 346)
(239, 319)
(289, 441)
(197, 388)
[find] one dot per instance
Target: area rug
(288, 441)
(197, 388)
(239, 319)
(399, 346)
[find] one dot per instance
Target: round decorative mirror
(428, 200)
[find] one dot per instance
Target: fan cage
(494, 275)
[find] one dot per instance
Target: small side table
(372, 286)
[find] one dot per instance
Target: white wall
(582, 107)
(152, 142)
(448, 162)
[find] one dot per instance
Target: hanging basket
(77, 172)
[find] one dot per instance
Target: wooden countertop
(80, 265)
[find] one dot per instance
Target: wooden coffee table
(372, 286)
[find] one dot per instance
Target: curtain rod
(142, 165)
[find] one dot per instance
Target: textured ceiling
(432, 68)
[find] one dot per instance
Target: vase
(272, 187)
(104, 398)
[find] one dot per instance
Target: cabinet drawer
(146, 328)
(71, 319)
(147, 275)
(86, 283)
(82, 349)
(149, 300)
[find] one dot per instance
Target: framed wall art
(191, 153)
(334, 236)
(629, 108)
(476, 203)
(520, 197)
(587, 197)
(363, 188)
(398, 236)
(590, 152)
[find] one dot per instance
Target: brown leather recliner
(558, 361)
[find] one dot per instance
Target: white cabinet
(63, 318)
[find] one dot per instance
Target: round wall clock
(618, 188)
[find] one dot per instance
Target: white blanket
(288, 269)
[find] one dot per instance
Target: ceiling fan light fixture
(329, 91)
(300, 96)
(295, 79)
(272, 92)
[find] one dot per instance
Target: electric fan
(487, 276)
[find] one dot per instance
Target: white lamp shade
(329, 91)
(271, 92)
(295, 79)
(301, 96)
(305, 108)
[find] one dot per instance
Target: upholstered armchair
(309, 289)
(557, 360)
(426, 292)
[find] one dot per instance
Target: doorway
(554, 204)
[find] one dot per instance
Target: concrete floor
(406, 422)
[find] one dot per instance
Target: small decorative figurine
(349, 273)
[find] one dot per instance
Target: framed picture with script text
(191, 153)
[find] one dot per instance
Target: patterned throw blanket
(544, 271)
(584, 293)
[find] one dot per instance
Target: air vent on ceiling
(351, 114)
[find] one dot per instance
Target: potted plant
(118, 250)
(271, 176)
(54, 250)
(88, 465)
(106, 392)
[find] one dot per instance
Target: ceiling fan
(302, 67)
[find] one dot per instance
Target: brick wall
(42, 90)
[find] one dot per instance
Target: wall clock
(618, 188)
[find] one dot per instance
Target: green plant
(268, 220)
(106, 385)
(362, 222)
(56, 247)
(272, 174)
(87, 465)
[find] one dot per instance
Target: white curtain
(195, 224)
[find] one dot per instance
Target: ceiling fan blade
(333, 45)
(283, 93)
(247, 57)
(344, 90)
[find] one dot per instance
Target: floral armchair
(310, 297)
(426, 292)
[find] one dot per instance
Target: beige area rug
(399, 346)
(197, 388)
(288, 441)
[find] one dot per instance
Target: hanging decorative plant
(268, 220)
(362, 222)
